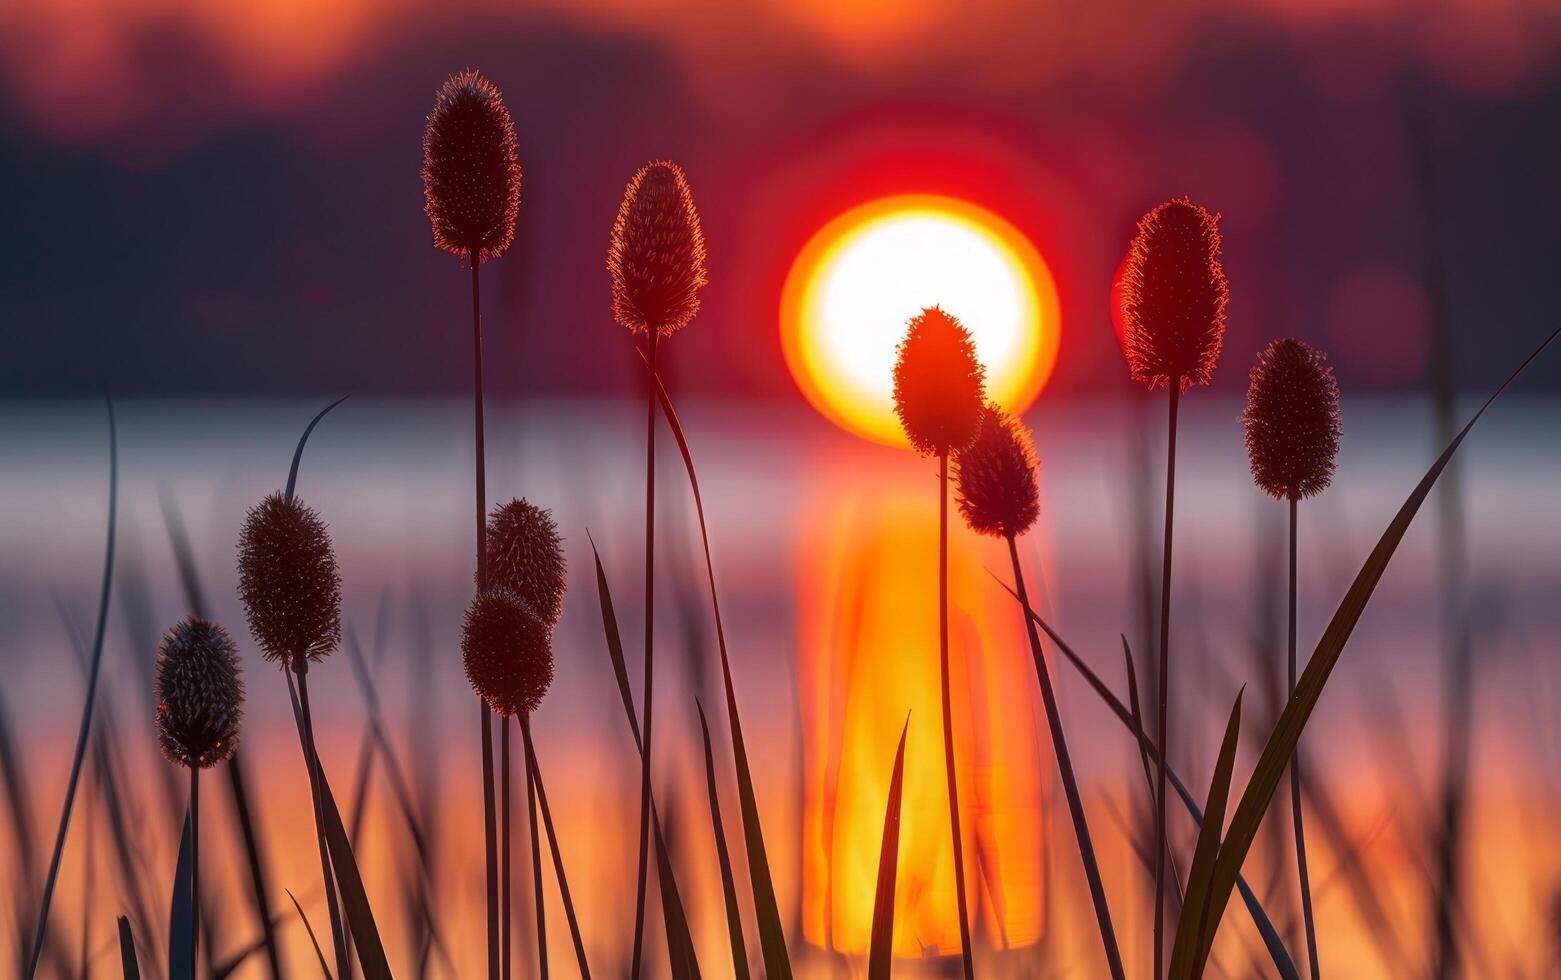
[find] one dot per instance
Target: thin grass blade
(680, 943)
(1281, 744)
(1133, 723)
(558, 857)
(1186, 954)
(92, 693)
(314, 940)
(772, 936)
(734, 920)
(129, 965)
(181, 913)
(881, 949)
(354, 897)
(298, 454)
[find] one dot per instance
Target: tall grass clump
(200, 703)
(940, 396)
(471, 188)
(1292, 433)
(1171, 299)
(656, 263)
(290, 586)
(998, 496)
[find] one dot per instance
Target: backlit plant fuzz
(199, 695)
(471, 180)
(657, 255)
(526, 556)
(1292, 420)
(289, 582)
(508, 651)
(1173, 295)
(994, 477)
(939, 385)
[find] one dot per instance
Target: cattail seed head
(289, 582)
(939, 385)
(508, 651)
(657, 255)
(471, 182)
(526, 556)
(995, 477)
(1173, 294)
(200, 697)
(1292, 420)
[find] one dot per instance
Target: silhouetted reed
(656, 263)
(290, 586)
(997, 492)
(200, 702)
(1292, 433)
(1171, 299)
(939, 395)
(471, 186)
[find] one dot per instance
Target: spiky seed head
(995, 477)
(508, 651)
(939, 385)
(1292, 420)
(657, 255)
(289, 582)
(471, 181)
(1173, 295)
(199, 694)
(526, 556)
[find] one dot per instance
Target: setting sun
(858, 280)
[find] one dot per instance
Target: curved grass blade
(772, 936)
(1132, 722)
(1189, 939)
(558, 857)
(42, 925)
(1281, 744)
(734, 920)
(181, 913)
(680, 942)
(881, 950)
(319, 953)
(127, 951)
(354, 897)
(298, 454)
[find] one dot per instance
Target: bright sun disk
(862, 276)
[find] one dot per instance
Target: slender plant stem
(490, 831)
(552, 842)
(536, 858)
(316, 792)
(1165, 683)
(650, 623)
(948, 719)
(257, 878)
(506, 923)
(1295, 774)
(42, 927)
(1070, 785)
(195, 862)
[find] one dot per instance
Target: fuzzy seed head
(657, 255)
(526, 556)
(1292, 420)
(995, 477)
(508, 651)
(289, 582)
(199, 694)
(471, 181)
(1173, 295)
(939, 385)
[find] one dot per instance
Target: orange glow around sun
(862, 276)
